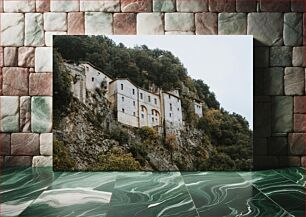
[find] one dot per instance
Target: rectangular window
(152, 112)
(142, 115)
(170, 115)
(152, 119)
(169, 96)
(121, 86)
(155, 100)
(149, 98)
(170, 107)
(133, 91)
(142, 108)
(178, 109)
(92, 79)
(122, 99)
(134, 113)
(134, 103)
(123, 110)
(141, 96)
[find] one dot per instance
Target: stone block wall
(27, 26)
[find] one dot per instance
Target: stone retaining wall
(27, 27)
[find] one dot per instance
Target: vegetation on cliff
(217, 141)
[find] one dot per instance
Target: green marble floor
(42, 192)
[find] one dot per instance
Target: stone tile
(274, 81)
(299, 124)
(43, 59)
(303, 161)
(76, 23)
(163, 5)
(55, 21)
(19, 6)
(41, 114)
(271, 6)
(289, 161)
(222, 6)
(206, 23)
(124, 24)
(42, 5)
(267, 28)
(1, 81)
(25, 114)
(15, 81)
(12, 24)
(26, 56)
(1, 10)
(278, 146)
(179, 22)
(293, 29)
(179, 33)
(42, 161)
(246, 5)
(100, 5)
(262, 119)
(25, 144)
(191, 5)
(64, 6)
(261, 56)
(34, 29)
(136, 6)
(299, 104)
(294, 81)
(280, 56)
(98, 23)
(18, 161)
(232, 24)
(296, 143)
(49, 37)
(46, 144)
(297, 5)
(10, 56)
(1, 56)
(298, 56)
(282, 117)
(5, 144)
(40, 84)
(155, 20)
(9, 114)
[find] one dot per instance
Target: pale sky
(224, 63)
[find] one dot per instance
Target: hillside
(90, 138)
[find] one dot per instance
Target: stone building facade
(134, 106)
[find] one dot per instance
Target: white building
(134, 106)
(198, 108)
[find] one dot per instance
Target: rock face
(206, 23)
(293, 29)
(15, 81)
(280, 56)
(9, 115)
(25, 144)
(179, 22)
(104, 5)
(41, 114)
(163, 5)
(98, 23)
(156, 26)
(294, 81)
(232, 23)
(267, 28)
(34, 30)
(282, 117)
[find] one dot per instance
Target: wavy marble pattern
(19, 188)
(42, 192)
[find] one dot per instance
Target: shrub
(62, 159)
(148, 133)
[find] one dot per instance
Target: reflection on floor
(42, 192)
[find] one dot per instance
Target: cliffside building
(133, 105)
